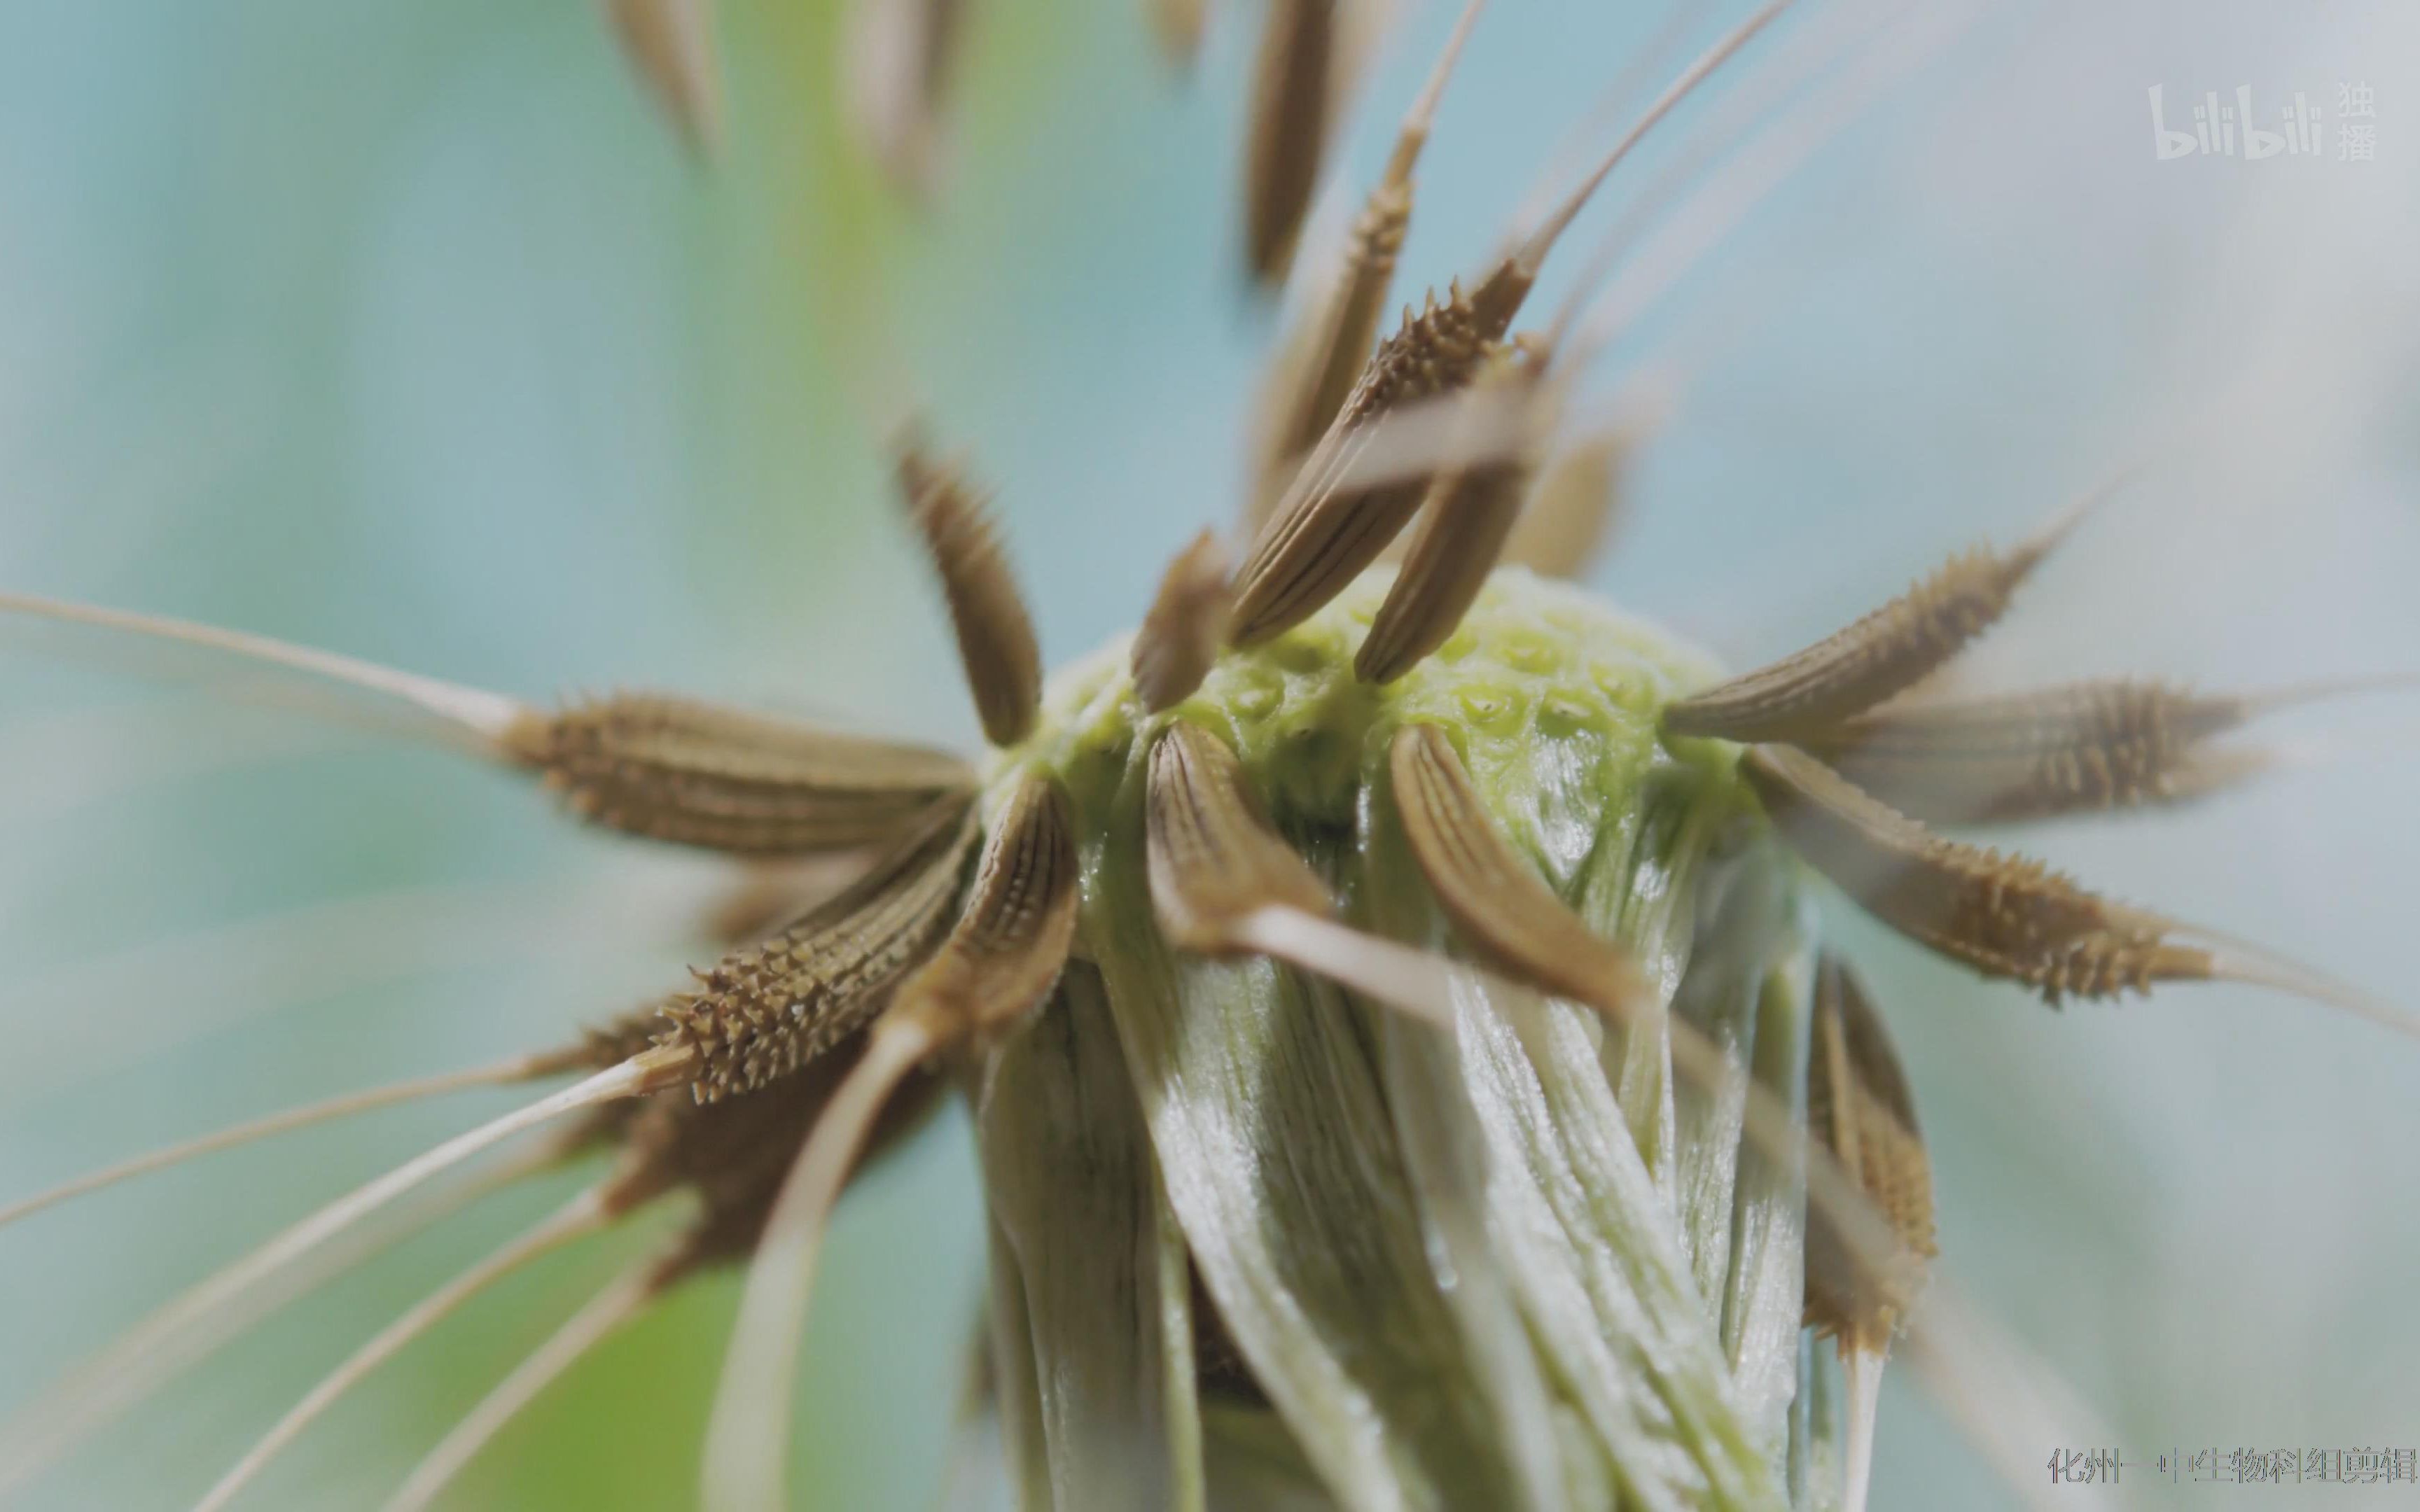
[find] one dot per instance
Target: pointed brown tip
(672, 44)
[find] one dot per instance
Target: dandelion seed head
(1537, 673)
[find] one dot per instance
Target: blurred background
(406, 330)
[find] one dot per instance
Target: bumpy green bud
(1261, 1242)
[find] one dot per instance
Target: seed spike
(204, 1317)
(670, 42)
(1294, 100)
(1213, 860)
(583, 1215)
(712, 776)
(522, 1068)
(1180, 637)
(1882, 654)
(2007, 917)
(1467, 520)
(1001, 958)
(995, 645)
(621, 1300)
(767, 1009)
(469, 716)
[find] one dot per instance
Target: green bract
(1513, 1267)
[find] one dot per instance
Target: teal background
(404, 328)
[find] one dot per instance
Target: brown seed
(995, 645)
(672, 44)
(1886, 652)
(1000, 962)
(1464, 525)
(1500, 294)
(1573, 509)
(1504, 911)
(1327, 529)
(2028, 755)
(731, 1154)
(770, 895)
(699, 774)
(2005, 916)
(1214, 860)
(1184, 627)
(1293, 90)
(2084, 746)
(766, 1010)
(1322, 362)
(1859, 1110)
(1019, 924)
(2009, 917)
